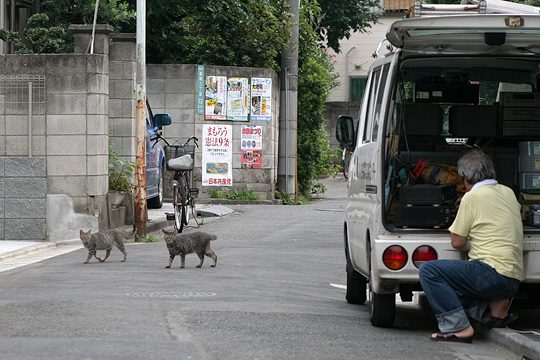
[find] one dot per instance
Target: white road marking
(27, 259)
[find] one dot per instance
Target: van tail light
(395, 257)
(422, 254)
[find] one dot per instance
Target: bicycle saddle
(184, 162)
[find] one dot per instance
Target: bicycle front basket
(175, 151)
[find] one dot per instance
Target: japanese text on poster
(261, 99)
(251, 147)
(215, 98)
(237, 99)
(200, 89)
(217, 155)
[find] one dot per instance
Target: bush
(234, 195)
(120, 173)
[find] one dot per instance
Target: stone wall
(68, 127)
(173, 89)
(335, 109)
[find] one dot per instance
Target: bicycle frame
(180, 159)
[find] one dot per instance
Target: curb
(516, 342)
(27, 250)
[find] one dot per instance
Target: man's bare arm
(458, 241)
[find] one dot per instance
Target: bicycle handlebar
(192, 138)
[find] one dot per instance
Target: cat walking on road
(196, 242)
(103, 240)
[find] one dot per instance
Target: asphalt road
(274, 294)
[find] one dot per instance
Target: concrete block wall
(70, 135)
(172, 88)
(23, 192)
(122, 68)
(333, 110)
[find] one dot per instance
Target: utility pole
(3, 13)
(140, 211)
(288, 113)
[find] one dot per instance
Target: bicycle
(180, 158)
(345, 159)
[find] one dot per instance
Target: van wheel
(356, 287)
(382, 309)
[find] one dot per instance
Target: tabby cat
(196, 242)
(103, 240)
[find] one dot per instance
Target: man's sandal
(496, 322)
(451, 337)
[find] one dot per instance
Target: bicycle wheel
(183, 185)
(345, 163)
(177, 209)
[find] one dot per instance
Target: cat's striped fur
(196, 242)
(103, 240)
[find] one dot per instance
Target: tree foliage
(338, 19)
(47, 31)
(218, 32)
(117, 13)
(316, 79)
(39, 36)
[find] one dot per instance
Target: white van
(447, 85)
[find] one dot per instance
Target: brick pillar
(82, 34)
(122, 68)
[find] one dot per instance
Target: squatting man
(489, 219)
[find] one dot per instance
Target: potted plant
(120, 177)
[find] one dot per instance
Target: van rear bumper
(384, 280)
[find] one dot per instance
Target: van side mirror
(162, 120)
(345, 133)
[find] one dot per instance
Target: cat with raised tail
(103, 240)
(196, 242)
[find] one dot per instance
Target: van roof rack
(420, 9)
(473, 7)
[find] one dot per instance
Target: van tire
(382, 309)
(356, 287)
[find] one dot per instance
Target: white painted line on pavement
(19, 261)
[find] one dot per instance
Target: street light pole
(140, 211)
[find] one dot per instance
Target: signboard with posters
(238, 99)
(217, 155)
(261, 99)
(251, 147)
(215, 98)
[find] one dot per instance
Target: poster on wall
(261, 99)
(238, 99)
(251, 147)
(215, 98)
(217, 155)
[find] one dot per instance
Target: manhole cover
(171, 294)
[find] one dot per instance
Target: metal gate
(22, 97)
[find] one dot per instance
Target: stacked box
(426, 206)
(529, 167)
(519, 114)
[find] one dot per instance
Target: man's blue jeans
(457, 288)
